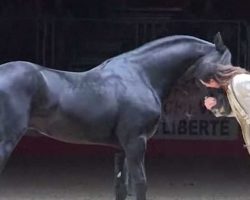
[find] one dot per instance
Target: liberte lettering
(197, 127)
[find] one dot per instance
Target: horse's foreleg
(128, 182)
(120, 177)
(135, 151)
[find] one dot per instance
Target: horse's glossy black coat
(117, 103)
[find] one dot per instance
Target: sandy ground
(92, 179)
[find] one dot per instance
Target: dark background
(78, 35)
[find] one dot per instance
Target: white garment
(238, 94)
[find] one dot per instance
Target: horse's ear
(219, 44)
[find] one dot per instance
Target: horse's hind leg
(13, 123)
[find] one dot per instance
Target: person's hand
(210, 102)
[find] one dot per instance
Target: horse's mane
(160, 43)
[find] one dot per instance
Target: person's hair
(222, 74)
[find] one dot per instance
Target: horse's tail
(13, 124)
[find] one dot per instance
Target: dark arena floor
(76, 178)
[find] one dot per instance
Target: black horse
(117, 103)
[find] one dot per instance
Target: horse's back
(19, 74)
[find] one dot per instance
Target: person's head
(216, 75)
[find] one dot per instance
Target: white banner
(187, 118)
(199, 129)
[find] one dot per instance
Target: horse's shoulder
(141, 100)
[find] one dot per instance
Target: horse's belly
(71, 131)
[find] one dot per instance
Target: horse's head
(219, 54)
(188, 84)
(166, 60)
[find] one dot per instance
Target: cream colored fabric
(238, 94)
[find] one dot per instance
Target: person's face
(211, 83)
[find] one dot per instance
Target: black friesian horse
(117, 103)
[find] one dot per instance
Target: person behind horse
(235, 82)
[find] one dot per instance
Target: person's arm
(219, 105)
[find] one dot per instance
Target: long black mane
(170, 40)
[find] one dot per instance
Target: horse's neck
(164, 64)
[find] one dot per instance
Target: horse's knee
(136, 148)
